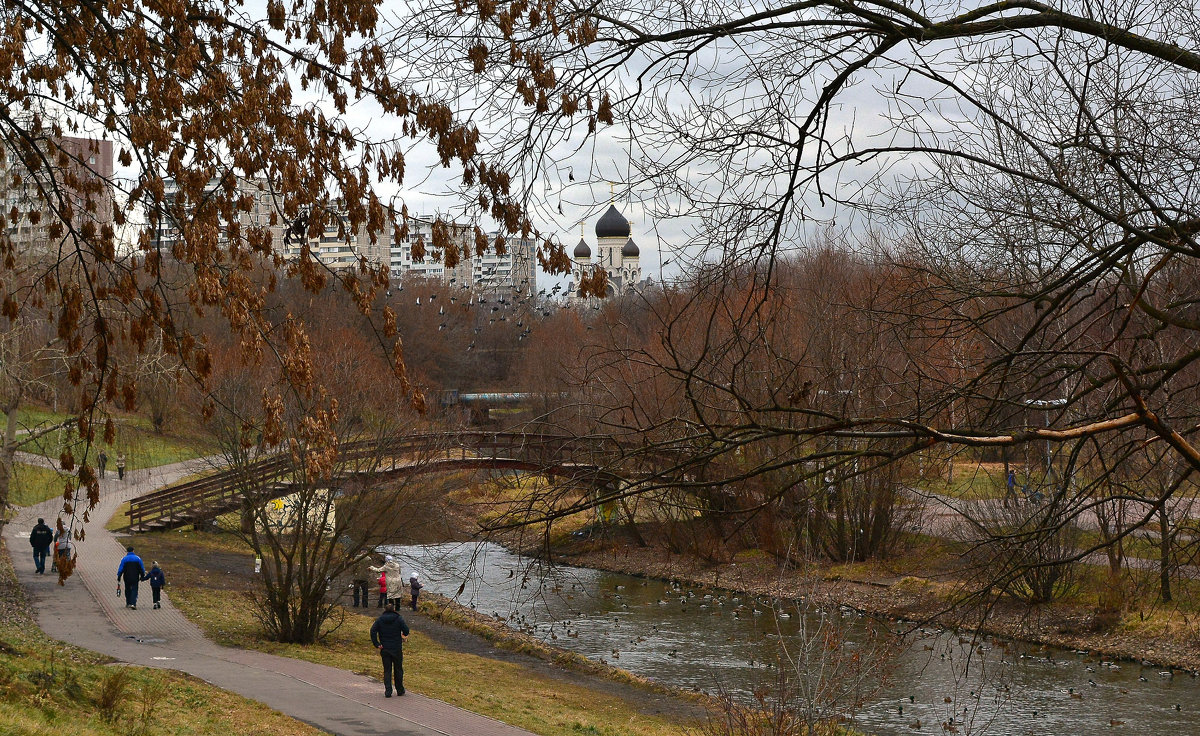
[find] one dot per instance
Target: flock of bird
(635, 631)
(497, 305)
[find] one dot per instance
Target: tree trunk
(8, 452)
(1164, 558)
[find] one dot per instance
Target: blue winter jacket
(131, 568)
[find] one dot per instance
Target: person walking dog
(388, 634)
(40, 539)
(130, 571)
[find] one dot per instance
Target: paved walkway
(87, 612)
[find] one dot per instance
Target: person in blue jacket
(157, 580)
(130, 571)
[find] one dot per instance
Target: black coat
(388, 631)
(41, 537)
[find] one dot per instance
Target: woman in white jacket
(391, 569)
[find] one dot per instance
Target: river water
(712, 640)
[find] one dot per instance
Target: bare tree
(315, 507)
(1021, 182)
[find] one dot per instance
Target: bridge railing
(223, 491)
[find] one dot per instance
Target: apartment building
(72, 179)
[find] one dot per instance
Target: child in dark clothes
(157, 581)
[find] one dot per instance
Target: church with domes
(615, 252)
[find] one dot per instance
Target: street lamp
(1047, 405)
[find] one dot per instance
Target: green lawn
(143, 447)
(29, 417)
(971, 483)
(32, 484)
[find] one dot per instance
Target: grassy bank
(48, 687)
(210, 575)
(136, 438)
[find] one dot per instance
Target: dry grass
(206, 587)
(48, 687)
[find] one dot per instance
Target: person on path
(62, 548)
(102, 462)
(414, 584)
(362, 573)
(1010, 492)
(395, 586)
(157, 580)
(130, 571)
(40, 539)
(121, 466)
(388, 633)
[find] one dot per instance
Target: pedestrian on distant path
(102, 462)
(130, 571)
(157, 580)
(362, 573)
(388, 633)
(394, 582)
(40, 539)
(121, 466)
(414, 584)
(1010, 491)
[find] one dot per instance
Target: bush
(1030, 553)
(111, 693)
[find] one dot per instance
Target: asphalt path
(88, 612)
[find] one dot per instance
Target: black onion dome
(612, 224)
(630, 250)
(582, 250)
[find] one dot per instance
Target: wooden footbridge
(581, 460)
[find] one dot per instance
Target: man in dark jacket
(40, 539)
(387, 634)
(130, 571)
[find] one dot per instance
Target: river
(716, 641)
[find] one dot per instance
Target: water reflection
(713, 640)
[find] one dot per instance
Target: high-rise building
(171, 222)
(511, 271)
(335, 248)
(73, 179)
